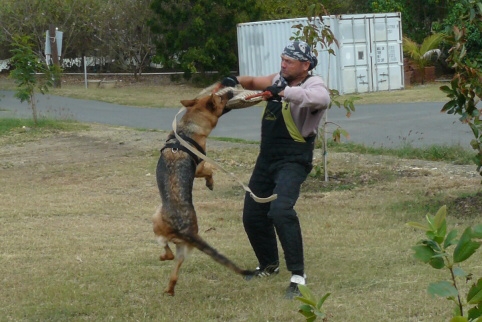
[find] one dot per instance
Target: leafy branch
(465, 90)
(435, 250)
(312, 308)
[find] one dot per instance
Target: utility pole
(54, 54)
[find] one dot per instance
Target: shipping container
(369, 57)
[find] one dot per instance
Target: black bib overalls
(284, 161)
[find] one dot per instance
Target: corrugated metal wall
(370, 56)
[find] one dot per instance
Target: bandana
(301, 51)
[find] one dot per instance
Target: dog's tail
(202, 245)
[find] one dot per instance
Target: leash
(208, 159)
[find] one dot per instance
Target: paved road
(387, 125)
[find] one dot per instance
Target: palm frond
(431, 42)
(411, 48)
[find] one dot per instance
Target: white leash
(208, 159)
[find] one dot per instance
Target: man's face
(292, 69)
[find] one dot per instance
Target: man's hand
(229, 81)
(274, 92)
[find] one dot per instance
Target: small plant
(29, 72)
(435, 250)
(421, 54)
(312, 308)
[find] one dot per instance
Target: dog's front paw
(210, 183)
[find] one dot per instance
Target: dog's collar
(175, 144)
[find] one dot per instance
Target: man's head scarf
(301, 51)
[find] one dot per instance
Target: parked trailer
(369, 57)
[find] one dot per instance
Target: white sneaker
(297, 279)
(292, 291)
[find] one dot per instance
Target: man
(296, 104)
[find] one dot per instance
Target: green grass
(10, 125)
(77, 241)
(455, 154)
(418, 93)
(233, 140)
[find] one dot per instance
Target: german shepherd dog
(175, 220)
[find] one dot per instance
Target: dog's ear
(188, 103)
(215, 101)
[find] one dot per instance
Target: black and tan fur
(175, 220)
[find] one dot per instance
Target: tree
(77, 19)
(124, 34)
(115, 29)
(26, 67)
(200, 36)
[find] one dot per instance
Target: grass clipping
(77, 242)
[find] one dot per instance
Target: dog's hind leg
(182, 251)
(166, 253)
(160, 229)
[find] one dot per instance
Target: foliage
(421, 54)
(200, 36)
(311, 308)
(280, 9)
(474, 35)
(465, 89)
(26, 67)
(436, 251)
(116, 29)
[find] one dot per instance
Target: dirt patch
(348, 171)
(469, 206)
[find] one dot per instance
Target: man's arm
(256, 83)
(313, 94)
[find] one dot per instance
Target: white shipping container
(369, 57)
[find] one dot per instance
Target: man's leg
(258, 226)
(288, 184)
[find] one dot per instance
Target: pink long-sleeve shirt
(305, 100)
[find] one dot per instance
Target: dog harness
(173, 143)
